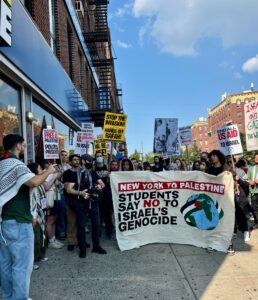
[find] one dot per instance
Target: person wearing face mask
(253, 182)
(105, 204)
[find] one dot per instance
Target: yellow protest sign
(100, 146)
(114, 127)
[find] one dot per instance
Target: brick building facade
(91, 74)
(229, 111)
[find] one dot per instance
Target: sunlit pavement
(158, 271)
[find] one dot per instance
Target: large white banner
(173, 207)
(165, 136)
(229, 140)
(251, 125)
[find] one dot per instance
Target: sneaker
(210, 250)
(58, 243)
(246, 236)
(54, 245)
(70, 247)
(231, 250)
(99, 250)
(35, 267)
(44, 259)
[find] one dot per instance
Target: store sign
(5, 23)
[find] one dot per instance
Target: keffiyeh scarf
(13, 174)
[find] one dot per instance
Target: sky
(175, 58)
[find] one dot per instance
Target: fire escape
(99, 45)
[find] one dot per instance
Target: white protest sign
(173, 207)
(88, 129)
(185, 135)
(251, 125)
(229, 140)
(50, 144)
(80, 144)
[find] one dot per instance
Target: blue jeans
(16, 259)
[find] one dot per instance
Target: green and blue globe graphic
(202, 212)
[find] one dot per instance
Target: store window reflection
(9, 111)
(43, 119)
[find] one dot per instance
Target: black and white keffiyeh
(13, 174)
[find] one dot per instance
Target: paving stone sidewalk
(157, 271)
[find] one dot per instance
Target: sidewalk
(158, 271)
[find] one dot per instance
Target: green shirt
(253, 175)
(18, 208)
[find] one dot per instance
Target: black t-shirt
(72, 177)
(156, 168)
(215, 171)
(102, 172)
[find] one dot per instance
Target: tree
(136, 155)
(149, 157)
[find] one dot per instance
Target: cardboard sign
(100, 146)
(229, 140)
(114, 127)
(251, 125)
(50, 144)
(173, 207)
(80, 144)
(165, 136)
(88, 129)
(185, 135)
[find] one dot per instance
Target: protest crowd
(51, 204)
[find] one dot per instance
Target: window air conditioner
(79, 8)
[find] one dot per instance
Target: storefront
(34, 87)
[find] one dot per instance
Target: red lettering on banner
(173, 185)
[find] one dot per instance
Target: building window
(240, 126)
(41, 114)
(238, 103)
(200, 128)
(10, 114)
(51, 6)
(239, 114)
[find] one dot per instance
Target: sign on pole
(185, 135)
(114, 127)
(229, 140)
(80, 144)
(100, 146)
(251, 125)
(51, 144)
(165, 136)
(88, 129)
